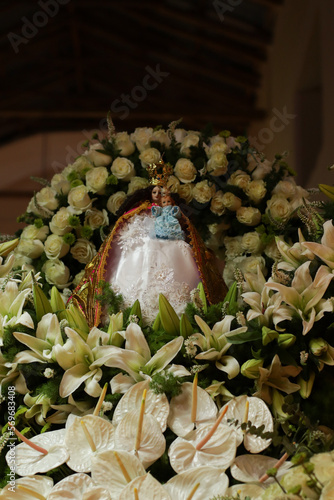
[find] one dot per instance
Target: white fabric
(141, 266)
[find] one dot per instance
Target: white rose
(81, 165)
(96, 218)
(96, 179)
(124, 144)
(46, 198)
(30, 248)
(173, 184)
(99, 159)
(161, 136)
(257, 167)
(217, 165)
(249, 216)
(137, 183)
(217, 145)
(217, 203)
(115, 201)
(286, 188)
(60, 184)
(83, 250)
(149, 155)
(142, 137)
(56, 273)
(251, 263)
(123, 169)
(240, 179)
(256, 190)
(54, 247)
(203, 191)
(180, 134)
(271, 250)
(299, 197)
(79, 200)
(185, 170)
(251, 242)
(191, 139)
(31, 232)
(186, 192)
(279, 208)
(233, 246)
(231, 202)
(59, 222)
(78, 277)
(22, 260)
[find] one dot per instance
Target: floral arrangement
(201, 406)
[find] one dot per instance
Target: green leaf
(42, 305)
(185, 327)
(244, 337)
(169, 319)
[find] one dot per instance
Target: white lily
(9, 374)
(325, 249)
(81, 361)
(135, 358)
(38, 407)
(265, 306)
(305, 296)
(7, 266)
(12, 301)
(41, 346)
(293, 255)
(77, 487)
(214, 344)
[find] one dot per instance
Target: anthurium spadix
(113, 470)
(155, 404)
(85, 437)
(135, 358)
(181, 407)
(43, 453)
(77, 487)
(305, 295)
(198, 483)
(28, 488)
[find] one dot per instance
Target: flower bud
(306, 385)
(286, 340)
(250, 369)
(268, 335)
(318, 346)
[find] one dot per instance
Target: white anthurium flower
(48, 335)
(135, 358)
(257, 412)
(219, 450)
(152, 442)
(293, 255)
(180, 415)
(203, 482)
(29, 461)
(78, 487)
(214, 344)
(113, 470)
(305, 296)
(245, 491)
(28, 488)
(85, 437)
(325, 249)
(147, 488)
(81, 361)
(155, 404)
(7, 266)
(250, 468)
(265, 306)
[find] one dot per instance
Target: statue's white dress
(141, 266)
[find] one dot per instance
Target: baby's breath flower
(198, 368)
(106, 406)
(240, 317)
(49, 373)
(190, 347)
(133, 318)
(196, 299)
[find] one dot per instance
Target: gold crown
(159, 172)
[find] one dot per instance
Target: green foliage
(107, 297)
(166, 382)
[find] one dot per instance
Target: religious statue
(153, 248)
